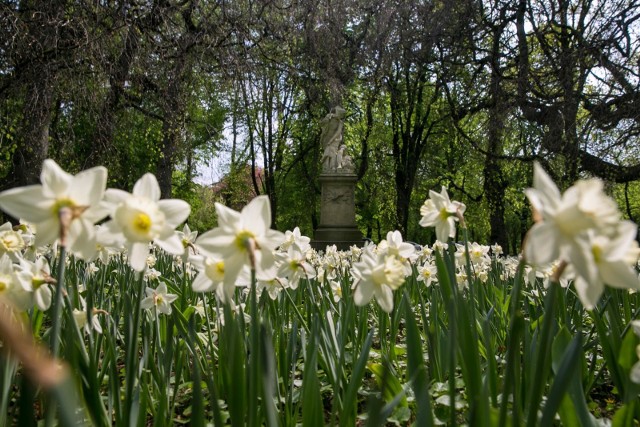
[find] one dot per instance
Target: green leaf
(349, 400)
(415, 368)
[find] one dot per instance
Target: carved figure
(331, 138)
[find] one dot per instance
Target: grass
(488, 349)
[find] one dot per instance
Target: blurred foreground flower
(141, 217)
(440, 212)
(243, 239)
(62, 198)
(581, 227)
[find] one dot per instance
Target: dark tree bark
(102, 149)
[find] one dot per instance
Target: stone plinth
(337, 212)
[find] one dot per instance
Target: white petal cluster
(583, 228)
(141, 217)
(440, 212)
(243, 240)
(81, 195)
(377, 275)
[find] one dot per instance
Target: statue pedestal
(337, 212)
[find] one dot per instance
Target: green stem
(543, 359)
(57, 305)
(254, 357)
(55, 327)
(132, 350)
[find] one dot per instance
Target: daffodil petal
(138, 255)
(619, 275)
(384, 298)
(588, 293)
(47, 231)
(81, 239)
(227, 218)
(363, 293)
(541, 245)
(88, 187)
(176, 211)
(55, 181)
(217, 243)
(27, 203)
(171, 244)
(256, 216)
(147, 187)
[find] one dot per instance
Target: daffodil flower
(188, 238)
(273, 287)
(12, 290)
(377, 276)
(440, 212)
(158, 298)
(11, 242)
(61, 196)
(563, 222)
(610, 260)
(211, 277)
(141, 217)
(244, 239)
(36, 276)
(295, 237)
(293, 265)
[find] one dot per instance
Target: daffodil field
(114, 312)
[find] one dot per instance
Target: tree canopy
(465, 94)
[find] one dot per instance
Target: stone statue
(338, 181)
(331, 138)
(344, 162)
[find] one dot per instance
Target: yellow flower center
(11, 241)
(62, 203)
(597, 253)
(220, 267)
(142, 223)
(3, 286)
(36, 282)
(444, 214)
(243, 238)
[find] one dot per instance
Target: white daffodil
(440, 212)
(563, 222)
(403, 251)
(294, 266)
(141, 217)
(107, 244)
(82, 318)
(12, 290)
(188, 238)
(336, 290)
(158, 298)
(36, 276)
(427, 273)
(243, 239)
(61, 197)
(377, 276)
(295, 237)
(610, 260)
(11, 242)
(211, 277)
(273, 287)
